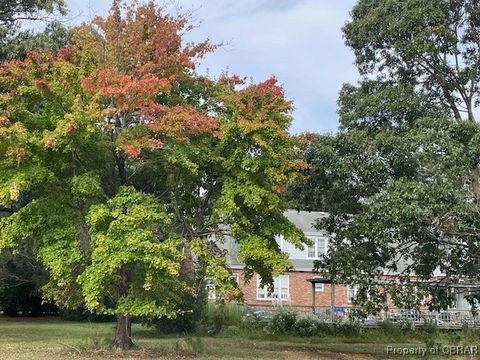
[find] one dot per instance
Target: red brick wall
(300, 291)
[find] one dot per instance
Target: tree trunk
(475, 182)
(123, 333)
(122, 172)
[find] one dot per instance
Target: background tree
(12, 11)
(21, 278)
(14, 44)
(21, 275)
(117, 161)
(400, 178)
(430, 44)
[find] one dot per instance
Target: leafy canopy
(401, 177)
(12, 11)
(117, 161)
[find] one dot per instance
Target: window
(280, 289)
(210, 289)
(318, 247)
(454, 303)
(319, 287)
(351, 293)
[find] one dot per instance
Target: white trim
(312, 233)
(210, 288)
(270, 297)
(354, 289)
(320, 289)
(236, 267)
(315, 240)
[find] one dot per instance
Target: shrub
(283, 321)
(216, 316)
(430, 327)
(189, 314)
(325, 328)
(393, 330)
(253, 321)
(348, 328)
(82, 314)
(306, 325)
(21, 280)
(468, 334)
(406, 325)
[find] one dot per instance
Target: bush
(325, 328)
(21, 278)
(254, 321)
(189, 315)
(216, 316)
(191, 307)
(82, 314)
(23, 300)
(348, 328)
(430, 327)
(306, 325)
(468, 334)
(283, 321)
(406, 325)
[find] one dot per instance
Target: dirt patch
(302, 351)
(325, 356)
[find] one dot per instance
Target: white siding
(295, 253)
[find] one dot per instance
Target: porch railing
(444, 319)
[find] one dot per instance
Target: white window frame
(315, 239)
(263, 294)
(354, 289)
(210, 288)
(454, 305)
(319, 287)
(211, 295)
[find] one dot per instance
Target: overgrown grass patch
(52, 339)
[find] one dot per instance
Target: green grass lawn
(55, 339)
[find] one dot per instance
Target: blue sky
(298, 41)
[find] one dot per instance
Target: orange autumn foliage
(138, 53)
(160, 50)
(178, 121)
(270, 86)
(125, 92)
(133, 147)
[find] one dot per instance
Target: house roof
(305, 220)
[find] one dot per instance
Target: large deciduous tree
(433, 45)
(401, 177)
(118, 161)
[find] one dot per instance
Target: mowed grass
(54, 339)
